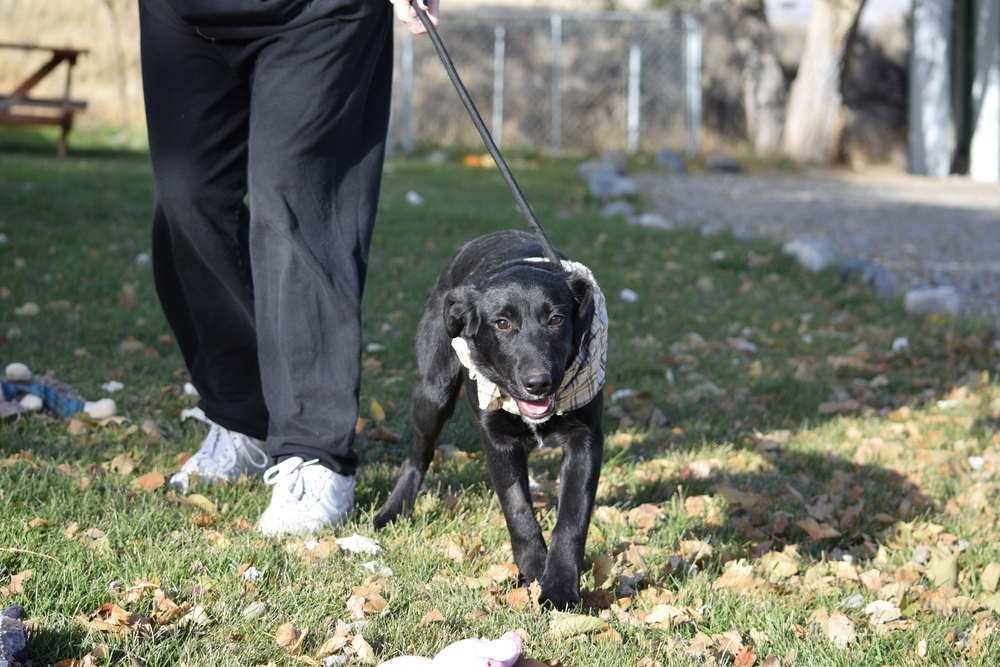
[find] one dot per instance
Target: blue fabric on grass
(53, 400)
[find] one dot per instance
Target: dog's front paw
(385, 516)
(560, 598)
(560, 592)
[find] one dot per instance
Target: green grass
(712, 445)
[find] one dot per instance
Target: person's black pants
(265, 300)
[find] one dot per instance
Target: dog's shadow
(791, 481)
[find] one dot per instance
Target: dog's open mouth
(539, 409)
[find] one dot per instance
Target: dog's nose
(539, 384)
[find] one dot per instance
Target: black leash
(491, 145)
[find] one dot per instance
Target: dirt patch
(926, 231)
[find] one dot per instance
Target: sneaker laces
(299, 485)
(224, 451)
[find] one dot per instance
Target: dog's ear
(460, 315)
(583, 295)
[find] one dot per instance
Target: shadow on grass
(43, 142)
(47, 646)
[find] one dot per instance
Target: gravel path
(928, 232)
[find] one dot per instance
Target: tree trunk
(763, 78)
(815, 117)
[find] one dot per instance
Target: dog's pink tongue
(535, 408)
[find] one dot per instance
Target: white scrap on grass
(947, 404)
(142, 258)
(375, 347)
(3, 238)
(412, 197)
(629, 296)
(112, 386)
(252, 574)
(852, 602)
(718, 255)
(976, 462)
(378, 569)
(189, 390)
(359, 544)
(622, 393)
(901, 344)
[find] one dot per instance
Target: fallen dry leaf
(37, 523)
(385, 435)
(150, 481)
(943, 567)
(286, 636)
(565, 625)
(745, 500)
(123, 464)
(433, 616)
(882, 611)
(841, 629)
(518, 598)
(603, 565)
(16, 585)
(990, 577)
(816, 530)
(153, 429)
(364, 650)
(366, 599)
(201, 501)
(739, 576)
(453, 551)
(694, 505)
(745, 658)
(332, 645)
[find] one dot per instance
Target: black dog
(526, 327)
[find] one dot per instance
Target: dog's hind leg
(432, 404)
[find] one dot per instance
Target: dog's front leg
(507, 459)
(433, 403)
(583, 446)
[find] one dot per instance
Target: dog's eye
(502, 325)
(556, 320)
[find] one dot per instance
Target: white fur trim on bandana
(585, 375)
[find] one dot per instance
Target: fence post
(692, 40)
(407, 91)
(634, 78)
(499, 46)
(556, 82)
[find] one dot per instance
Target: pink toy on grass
(502, 652)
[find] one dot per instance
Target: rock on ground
(814, 254)
(932, 301)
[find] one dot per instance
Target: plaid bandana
(585, 375)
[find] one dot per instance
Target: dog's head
(524, 326)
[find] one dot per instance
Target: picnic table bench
(18, 108)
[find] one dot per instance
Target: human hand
(408, 15)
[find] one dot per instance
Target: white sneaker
(306, 496)
(224, 455)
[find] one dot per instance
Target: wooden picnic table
(19, 108)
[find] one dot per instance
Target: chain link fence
(571, 82)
